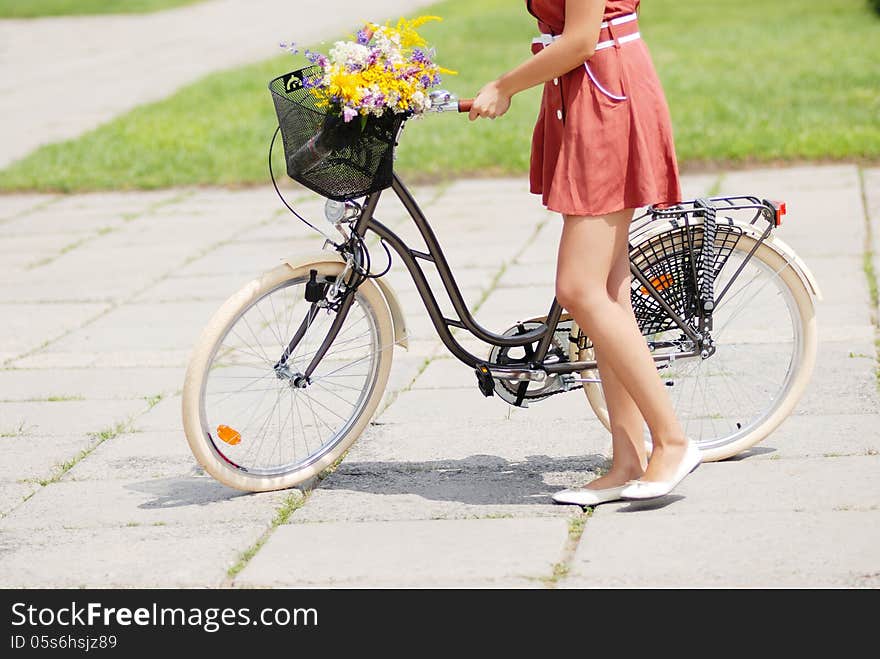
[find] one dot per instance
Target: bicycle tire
(208, 452)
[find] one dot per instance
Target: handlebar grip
(465, 104)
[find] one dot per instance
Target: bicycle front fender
(391, 299)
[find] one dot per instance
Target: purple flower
(419, 55)
(317, 58)
(348, 114)
(363, 38)
(290, 47)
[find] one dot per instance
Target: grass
(741, 89)
(561, 569)
(871, 275)
(39, 8)
(290, 505)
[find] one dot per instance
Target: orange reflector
(228, 435)
(659, 283)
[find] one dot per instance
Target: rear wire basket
(668, 261)
(338, 160)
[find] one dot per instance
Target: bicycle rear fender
(397, 318)
(785, 250)
(776, 244)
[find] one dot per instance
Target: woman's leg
(587, 252)
(627, 424)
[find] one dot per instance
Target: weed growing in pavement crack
(290, 505)
(871, 275)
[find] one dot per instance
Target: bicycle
(291, 368)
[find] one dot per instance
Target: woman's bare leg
(586, 258)
(627, 425)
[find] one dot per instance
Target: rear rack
(744, 208)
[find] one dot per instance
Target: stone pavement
(103, 296)
(65, 75)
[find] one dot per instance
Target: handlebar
(444, 101)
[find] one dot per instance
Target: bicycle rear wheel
(249, 423)
(765, 337)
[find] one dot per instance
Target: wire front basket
(337, 159)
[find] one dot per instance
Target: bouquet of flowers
(381, 70)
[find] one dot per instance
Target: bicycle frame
(543, 335)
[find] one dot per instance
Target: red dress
(603, 139)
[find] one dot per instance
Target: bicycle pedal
(485, 380)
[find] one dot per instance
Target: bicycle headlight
(334, 211)
(337, 212)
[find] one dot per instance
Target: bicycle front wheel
(765, 337)
(256, 426)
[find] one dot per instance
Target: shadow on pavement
(477, 479)
(184, 491)
(748, 453)
(650, 504)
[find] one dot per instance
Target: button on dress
(604, 142)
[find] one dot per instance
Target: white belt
(547, 39)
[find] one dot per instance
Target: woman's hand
(490, 102)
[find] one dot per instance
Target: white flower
(349, 53)
(420, 102)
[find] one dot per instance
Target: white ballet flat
(585, 497)
(637, 490)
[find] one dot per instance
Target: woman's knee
(578, 297)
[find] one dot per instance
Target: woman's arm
(574, 46)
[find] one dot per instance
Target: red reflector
(780, 211)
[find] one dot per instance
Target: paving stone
(797, 485)
(91, 384)
(15, 205)
(66, 417)
(141, 455)
(159, 359)
(421, 405)
(12, 493)
(38, 457)
(26, 326)
(91, 273)
(477, 486)
(145, 556)
(183, 500)
(814, 435)
(441, 454)
(446, 373)
(249, 258)
(841, 384)
(822, 220)
(216, 288)
(431, 443)
(164, 417)
(145, 326)
(417, 554)
(737, 550)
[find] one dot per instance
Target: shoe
(637, 490)
(583, 496)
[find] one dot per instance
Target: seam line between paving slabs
(870, 274)
(113, 305)
(126, 217)
(54, 199)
